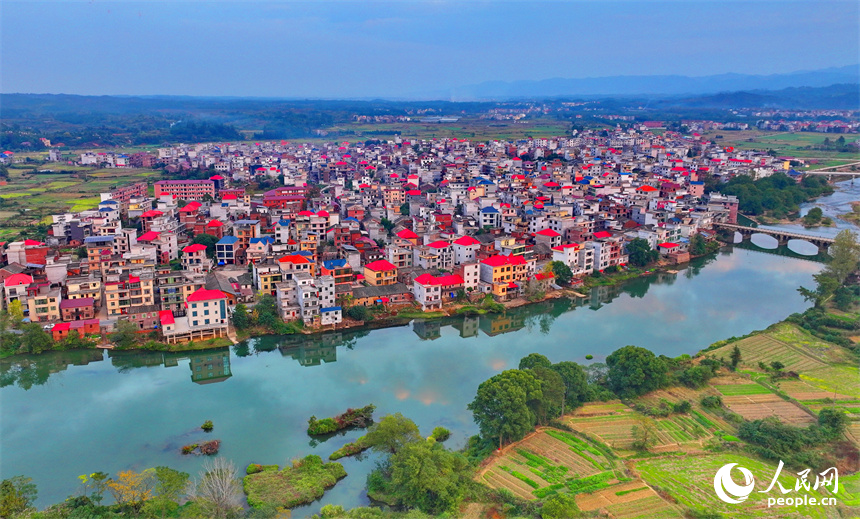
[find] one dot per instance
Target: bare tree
(217, 489)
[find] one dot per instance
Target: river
(832, 206)
(69, 413)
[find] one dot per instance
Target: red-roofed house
(465, 249)
(380, 272)
(668, 248)
(548, 237)
(84, 327)
(431, 291)
(15, 289)
(408, 235)
(501, 271)
(194, 259)
(206, 317)
(436, 255)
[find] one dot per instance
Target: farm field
(613, 425)
(548, 462)
(466, 128)
(843, 379)
(690, 480)
(758, 406)
(765, 348)
(629, 500)
(28, 197)
(795, 144)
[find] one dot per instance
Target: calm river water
(69, 413)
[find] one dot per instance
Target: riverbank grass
(302, 483)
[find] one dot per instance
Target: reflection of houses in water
(468, 326)
(427, 329)
(603, 294)
(497, 324)
(207, 366)
(313, 352)
(210, 367)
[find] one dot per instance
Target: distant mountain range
(656, 85)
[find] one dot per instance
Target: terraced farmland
(804, 392)
(548, 462)
(764, 348)
(757, 406)
(690, 480)
(843, 379)
(613, 425)
(630, 500)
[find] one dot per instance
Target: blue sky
(402, 49)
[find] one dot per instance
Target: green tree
(427, 476)
(391, 433)
(813, 216)
(209, 241)
(534, 360)
(845, 255)
(575, 382)
(640, 252)
(562, 272)
(170, 487)
(501, 406)
(834, 420)
(16, 313)
(735, 357)
(404, 209)
(35, 339)
(125, 335)
(17, 495)
(644, 434)
(240, 318)
(266, 311)
(559, 506)
(551, 401)
(826, 286)
(634, 371)
(387, 224)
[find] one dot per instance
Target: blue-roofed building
(491, 217)
(225, 250)
(331, 315)
(339, 269)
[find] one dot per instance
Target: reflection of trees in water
(28, 371)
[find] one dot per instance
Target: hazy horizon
(421, 49)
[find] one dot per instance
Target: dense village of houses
(390, 223)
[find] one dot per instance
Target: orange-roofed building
(379, 273)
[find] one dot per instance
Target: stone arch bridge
(782, 237)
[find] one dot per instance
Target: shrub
(210, 448)
(589, 357)
(712, 401)
(302, 483)
(188, 449)
(207, 426)
(361, 417)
